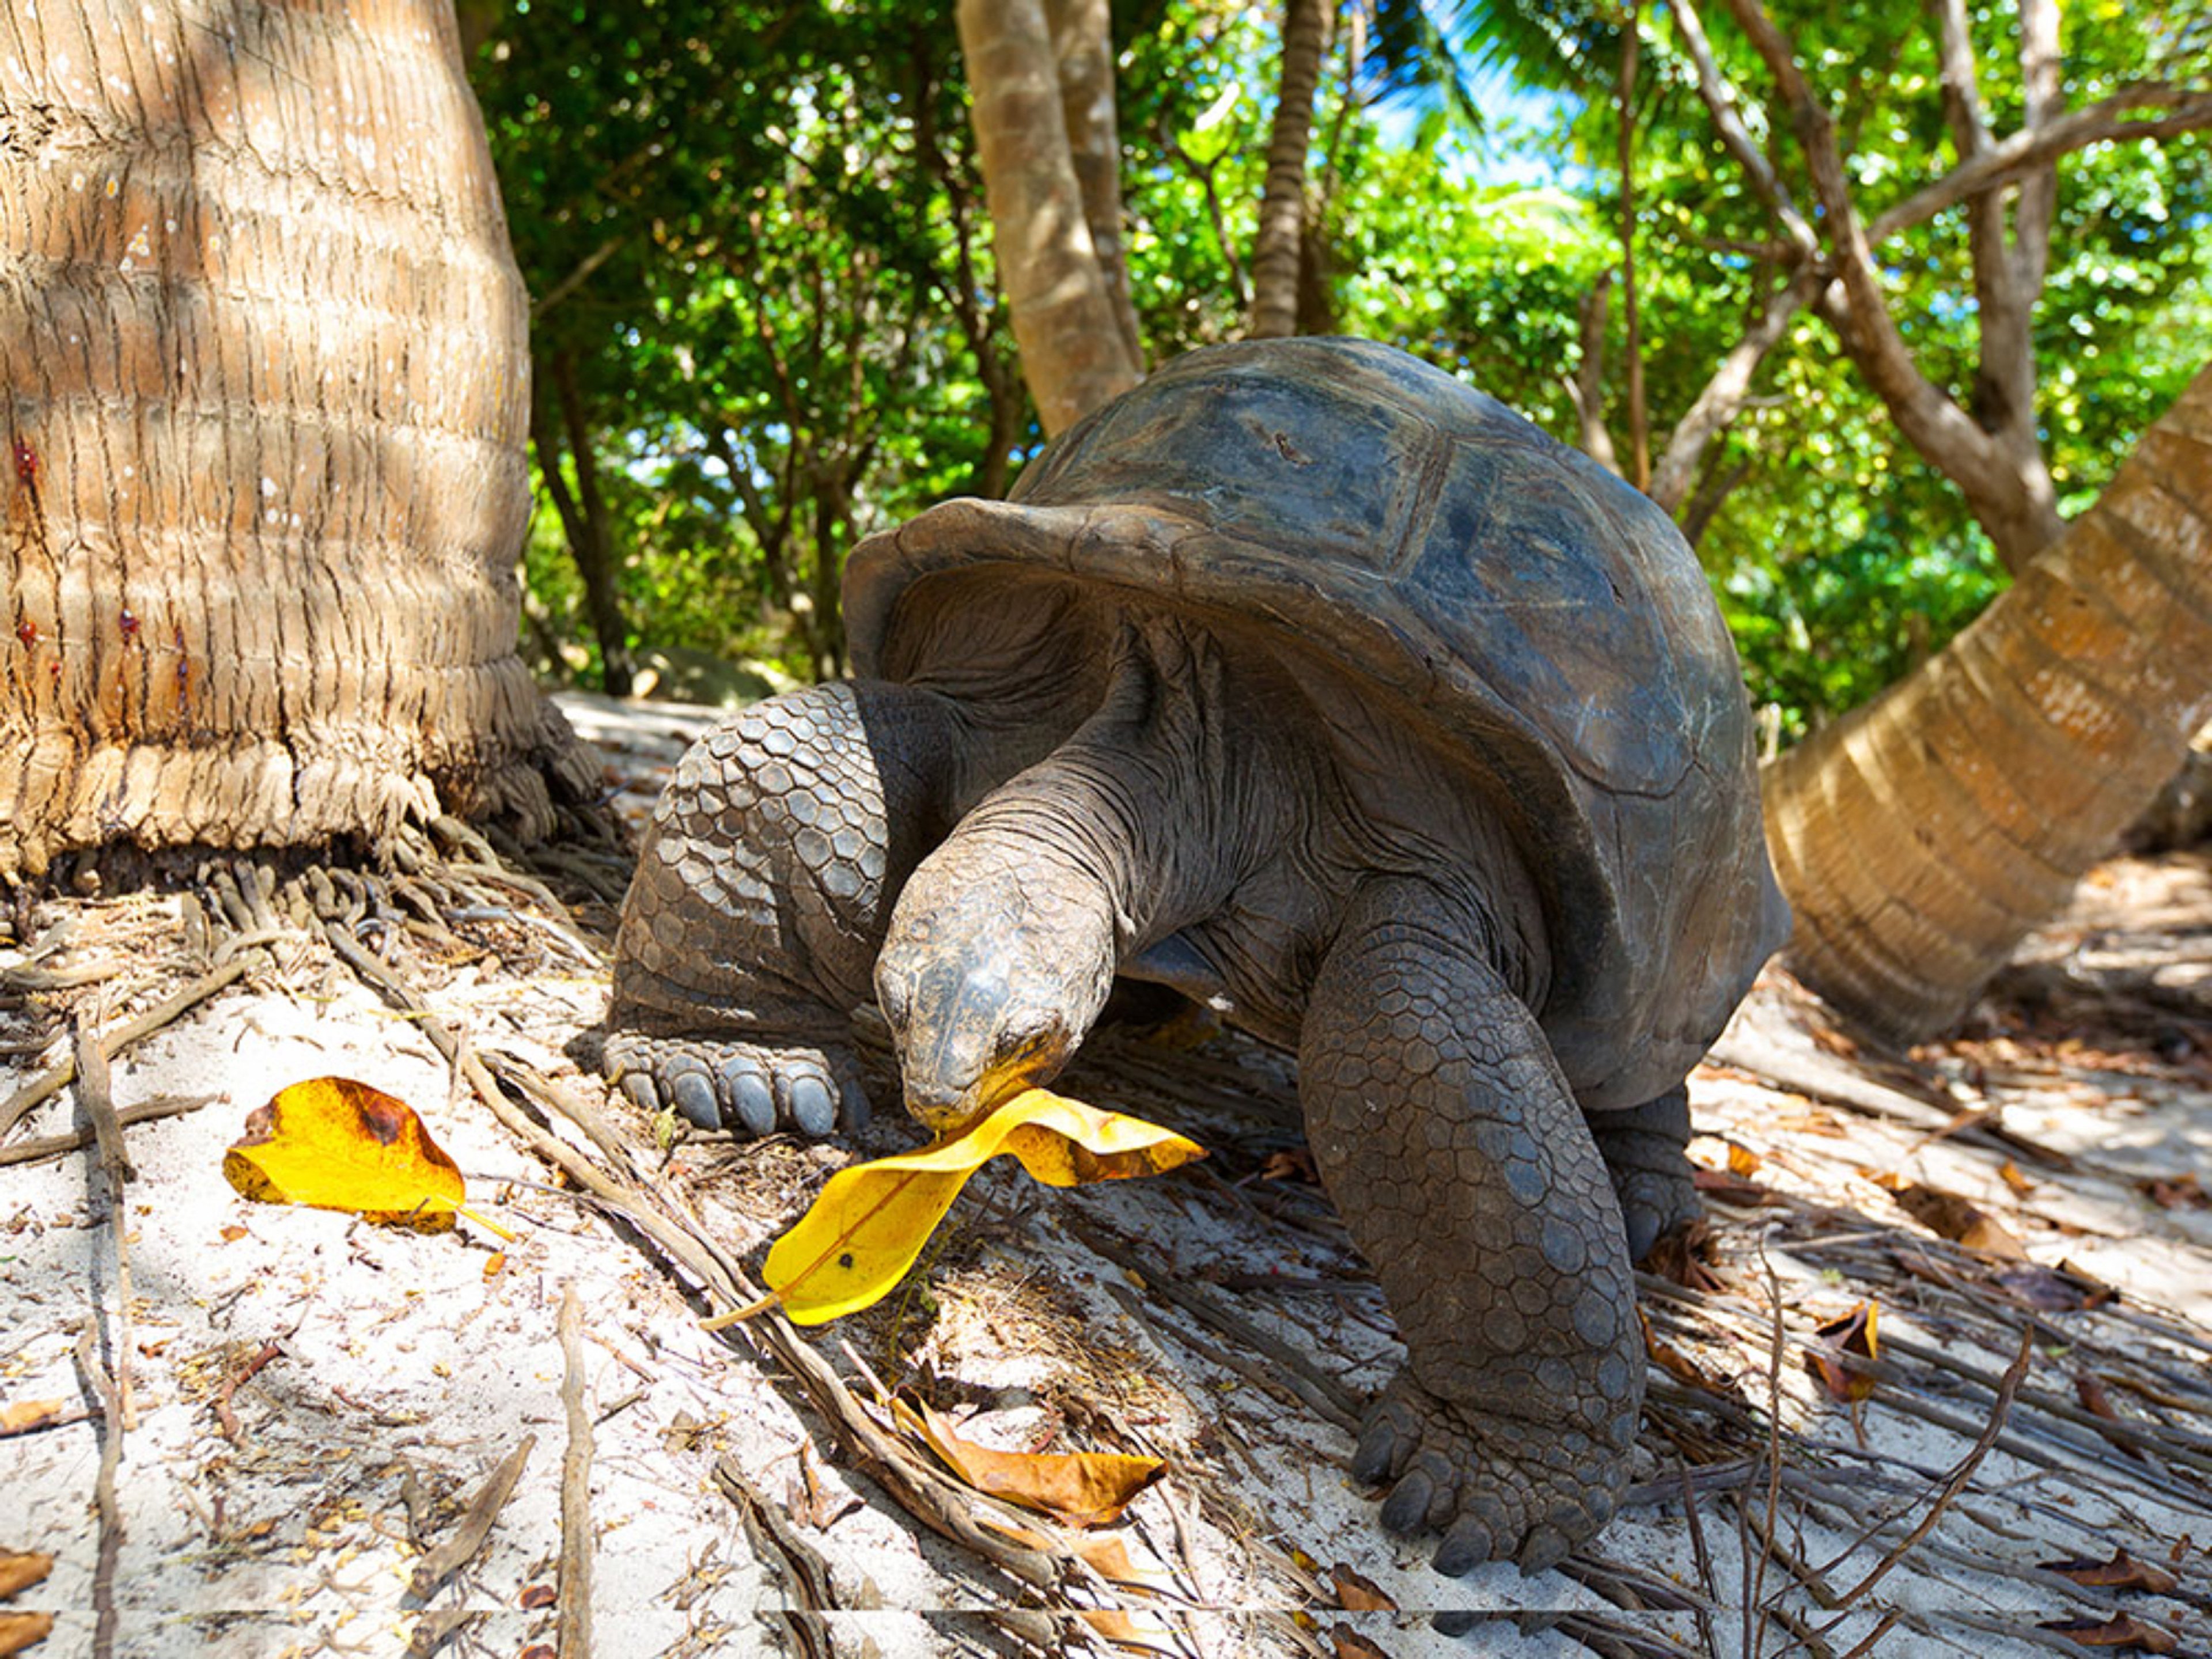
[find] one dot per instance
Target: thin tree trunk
(1083, 47)
(263, 484)
(2004, 400)
(1276, 251)
(589, 527)
(1922, 837)
(1073, 352)
(1586, 386)
(1718, 405)
(1639, 420)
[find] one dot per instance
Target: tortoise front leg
(1462, 1166)
(762, 893)
(1645, 1151)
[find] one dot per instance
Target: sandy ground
(313, 1401)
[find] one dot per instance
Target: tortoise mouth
(949, 1111)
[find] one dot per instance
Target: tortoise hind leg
(1644, 1151)
(1462, 1166)
(767, 878)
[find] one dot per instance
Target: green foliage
(756, 237)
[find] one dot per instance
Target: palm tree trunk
(1066, 319)
(1277, 249)
(262, 391)
(1920, 839)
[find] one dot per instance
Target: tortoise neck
(1149, 802)
(1141, 822)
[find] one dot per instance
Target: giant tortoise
(1312, 683)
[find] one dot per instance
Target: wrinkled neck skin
(1005, 940)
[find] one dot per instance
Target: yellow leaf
(1852, 1334)
(871, 1220)
(19, 1630)
(19, 1571)
(339, 1145)
(1083, 1489)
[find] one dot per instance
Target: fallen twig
(1325, 1394)
(227, 1417)
(1952, 1487)
(436, 1629)
(146, 1111)
(110, 1513)
(456, 1552)
(97, 1099)
(572, 1622)
(785, 1553)
(58, 1075)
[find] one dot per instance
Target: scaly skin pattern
(760, 900)
(1468, 1175)
(1645, 1152)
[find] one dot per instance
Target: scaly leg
(760, 900)
(1644, 1151)
(1456, 1152)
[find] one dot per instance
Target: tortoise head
(989, 978)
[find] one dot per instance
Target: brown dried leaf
(2014, 1178)
(1351, 1644)
(1834, 1042)
(1108, 1556)
(1742, 1161)
(1356, 1593)
(2125, 1631)
(19, 1630)
(19, 1571)
(1684, 1255)
(1294, 1164)
(535, 1596)
(810, 1501)
(1947, 1215)
(1854, 1334)
(2175, 1192)
(2122, 1572)
(1083, 1489)
(1725, 1189)
(2089, 1389)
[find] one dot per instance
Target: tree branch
(2043, 102)
(1586, 386)
(1720, 100)
(1985, 471)
(576, 278)
(2016, 154)
(2004, 375)
(1723, 397)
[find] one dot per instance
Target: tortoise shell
(1521, 605)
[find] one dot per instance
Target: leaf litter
(1750, 1500)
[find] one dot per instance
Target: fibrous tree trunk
(1920, 839)
(1067, 320)
(263, 389)
(1278, 249)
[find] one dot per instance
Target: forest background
(768, 315)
